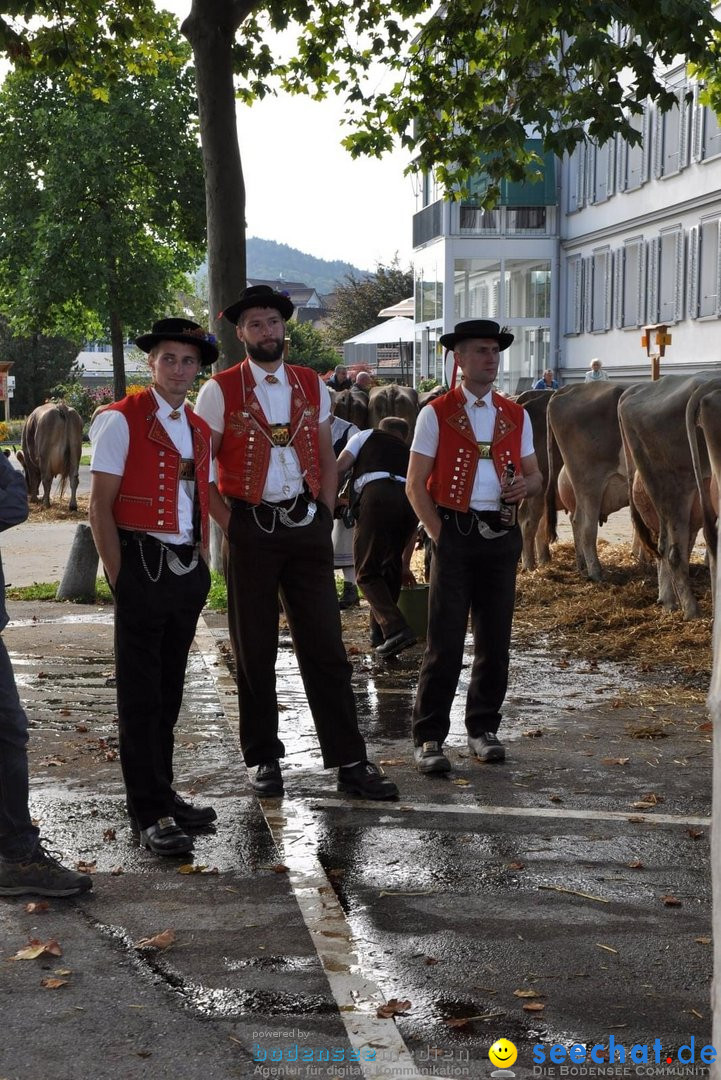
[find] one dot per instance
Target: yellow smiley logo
(503, 1053)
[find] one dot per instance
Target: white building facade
(608, 241)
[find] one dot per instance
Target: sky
(304, 189)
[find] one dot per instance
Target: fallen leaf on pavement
(534, 733)
(86, 867)
(36, 906)
(695, 834)
(394, 1007)
(35, 948)
(702, 940)
(163, 940)
(526, 994)
(516, 865)
(533, 1006)
(615, 761)
(671, 901)
(197, 868)
(52, 762)
(109, 835)
(430, 960)
(460, 782)
(393, 761)
(53, 984)
(635, 865)
(117, 871)
(62, 971)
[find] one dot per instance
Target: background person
(363, 381)
(546, 382)
(339, 380)
(25, 865)
(596, 372)
(149, 516)
(340, 432)
(277, 470)
(458, 473)
(385, 531)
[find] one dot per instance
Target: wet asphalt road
(562, 897)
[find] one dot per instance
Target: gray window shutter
(621, 163)
(608, 300)
(590, 171)
(587, 320)
(619, 268)
(684, 125)
(718, 276)
(647, 143)
(678, 277)
(657, 144)
(652, 291)
(693, 272)
(642, 287)
(698, 124)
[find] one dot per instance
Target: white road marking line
(293, 827)
(479, 810)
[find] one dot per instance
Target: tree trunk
(117, 342)
(211, 28)
(81, 572)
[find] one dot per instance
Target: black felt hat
(260, 296)
(181, 330)
(477, 328)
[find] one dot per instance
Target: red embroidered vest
(451, 481)
(244, 454)
(147, 499)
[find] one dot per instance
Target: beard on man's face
(265, 352)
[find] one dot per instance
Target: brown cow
(531, 518)
(352, 405)
(586, 464)
(393, 400)
(703, 427)
(665, 505)
(52, 442)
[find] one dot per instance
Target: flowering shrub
(83, 398)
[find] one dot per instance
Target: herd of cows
(652, 446)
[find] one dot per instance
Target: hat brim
(281, 304)
(449, 341)
(208, 351)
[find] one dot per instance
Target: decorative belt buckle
(484, 450)
(187, 469)
(280, 434)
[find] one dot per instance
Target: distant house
(386, 349)
(309, 304)
(95, 366)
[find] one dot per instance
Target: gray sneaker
(486, 746)
(42, 875)
(430, 758)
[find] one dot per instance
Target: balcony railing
(427, 223)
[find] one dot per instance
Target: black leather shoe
(366, 780)
(429, 758)
(486, 746)
(192, 817)
(397, 643)
(268, 779)
(166, 838)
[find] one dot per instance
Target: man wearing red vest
(472, 453)
(277, 477)
(149, 516)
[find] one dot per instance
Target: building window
(670, 292)
(704, 270)
(429, 295)
(600, 291)
(631, 292)
(525, 219)
(576, 194)
(527, 289)
(574, 295)
(671, 133)
(711, 134)
(633, 159)
(477, 220)
(601, 169)
(476, 287)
